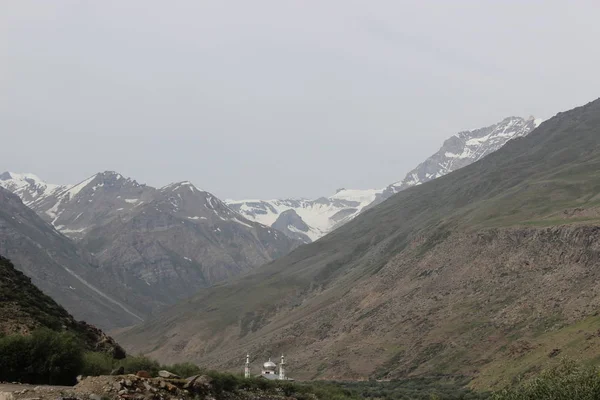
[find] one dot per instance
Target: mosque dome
(270, 366)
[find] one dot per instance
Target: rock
(118, 371)
(128, 382)
(143, 374)
(167, 374)
(95, 397)
(171, 387)
(122, 392)
(198, 383)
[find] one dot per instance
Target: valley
(433, 275)
(441, 278)
(299, 200)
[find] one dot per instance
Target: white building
(269, 370)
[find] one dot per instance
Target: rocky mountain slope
(447, 277)
(57, 265)
(24, 308)
(184, 239)
(151, 246)
(309, 220)
(75, 209)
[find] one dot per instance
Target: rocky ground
(134, 387)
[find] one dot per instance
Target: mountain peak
(28, 186)
(464, 148)
(182, 185)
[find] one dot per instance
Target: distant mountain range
(137, 249)
(133, 244)
(308, 220)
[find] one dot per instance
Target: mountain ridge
(460, 150)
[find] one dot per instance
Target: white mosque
(269, 370)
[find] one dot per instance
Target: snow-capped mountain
(28, 187)
(74, 209)
(308, 220)
(465, 148)
(303, 219)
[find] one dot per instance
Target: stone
(168, 375)
(95, 397)
(128, 382)
(143, 374)
(198, 384)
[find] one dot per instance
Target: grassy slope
(532, 181)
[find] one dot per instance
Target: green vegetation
(57, 358)
(425, 388)
(45, 357)
(568, 380)
(102, 364)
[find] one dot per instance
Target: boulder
(167, 374)
(198, 383)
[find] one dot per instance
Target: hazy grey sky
(262, 99)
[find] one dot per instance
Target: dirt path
(9, 387)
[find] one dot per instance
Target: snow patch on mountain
(321, 215)
(28, 187)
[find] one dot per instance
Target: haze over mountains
(145, 248)
(442, 278)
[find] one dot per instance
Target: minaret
(282, 369)
(247, 369)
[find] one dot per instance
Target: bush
(95, 364)
(45, 357)
(184, 370)
(568, 380)
(133, 364)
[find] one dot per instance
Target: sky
(276, 98)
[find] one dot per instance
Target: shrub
(133, 364)
(45, 357)
(184, 370)
(95, 364)
(568, 380)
